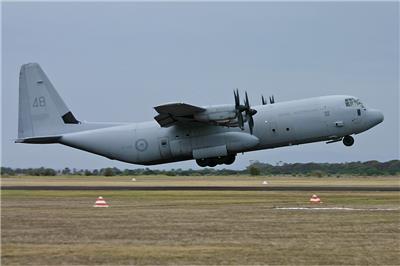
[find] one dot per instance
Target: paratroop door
(165, 150)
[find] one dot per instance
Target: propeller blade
(249, 113)
(263, 100)
(251, 124)
(236, 94)
(238, 106)
(246, 102)
(271, 99)
(239, 109)
(240, 121)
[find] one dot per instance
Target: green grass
(197, 227)
(199, 181)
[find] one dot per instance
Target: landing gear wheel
(229, 159)
(212, 163)
(348, 141)
(202, 162)
(220, 160)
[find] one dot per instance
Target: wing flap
(165, 120)
(169, 114)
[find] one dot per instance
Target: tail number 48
(39, 102)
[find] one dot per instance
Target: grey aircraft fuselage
(276, 125)
(212, 135)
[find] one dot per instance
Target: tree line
(369, 168)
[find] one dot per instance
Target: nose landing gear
(348, 140)
(211, 162)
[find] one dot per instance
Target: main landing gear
(211, 162)
(348, 140)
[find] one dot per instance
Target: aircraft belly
(181, 147)
(183, 144)
(146, 145)
(113, 143)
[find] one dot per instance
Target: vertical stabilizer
(42, 112)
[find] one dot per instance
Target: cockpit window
(352, 102)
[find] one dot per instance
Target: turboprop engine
(229, 115)
(223, 115)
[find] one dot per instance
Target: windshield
(352, 102)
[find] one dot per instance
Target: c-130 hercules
(211, 135)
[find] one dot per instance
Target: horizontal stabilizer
(40, 140)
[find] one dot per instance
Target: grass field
(199, 227)
(200, 181)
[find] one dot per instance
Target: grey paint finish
(276, 125)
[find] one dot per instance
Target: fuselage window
(163, 142)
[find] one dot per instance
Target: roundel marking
(141, 145)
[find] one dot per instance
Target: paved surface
(208, 188)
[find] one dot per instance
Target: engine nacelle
(220, 115)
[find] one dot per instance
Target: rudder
(42, 112)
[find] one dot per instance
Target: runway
(209, 188)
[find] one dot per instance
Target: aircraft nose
(375, 116)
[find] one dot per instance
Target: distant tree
(88, 172)
(48, 172)
(254, 170)
(148, 171)
(108, 172)
(170, 173)
(317, 173)
(66, 171)
(369, 168)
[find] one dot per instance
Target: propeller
(271, 99)
(249, 113)
(244, 108)
(263, 101)
(239, 109)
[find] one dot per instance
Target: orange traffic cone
(100, 202)
(315, 199)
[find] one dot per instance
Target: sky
(116, 61)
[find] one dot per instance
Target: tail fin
(42, 112)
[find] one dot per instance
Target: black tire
(202, 162)
(230, 159)
(348, 141)
(212, 163)
(220, 160)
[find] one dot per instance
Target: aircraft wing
(169, 114)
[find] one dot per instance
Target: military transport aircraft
(211, 135)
